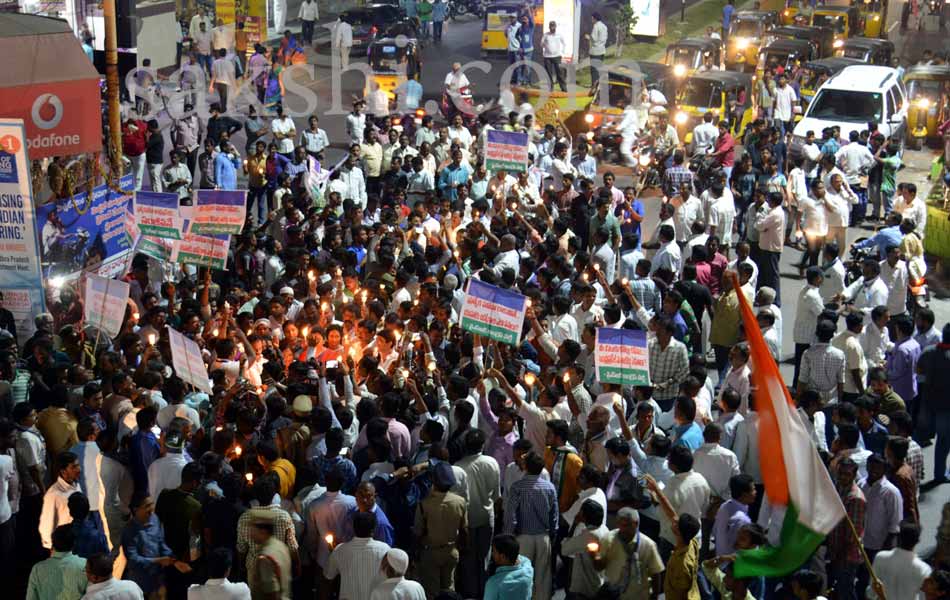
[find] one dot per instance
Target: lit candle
(240, 347)
(249, 477)
(593, 547)
(151, 339)
(259, 390)
(405, 373)
(596, 267)
(415, 303)
(249, 332)
(219, 428)
(324, 306)
(214, 332)
(382, 287)
(567, 377)
(624, 281)
(311, 275)
(135, 316)
(529, 379)
(339, 272)
(527, 302)
(237, 452)
(431, 365)
(584, 276)
(456, 253)
(329, 539)
(304, 331)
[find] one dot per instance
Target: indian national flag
(795, 477)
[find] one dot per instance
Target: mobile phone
(333, 364)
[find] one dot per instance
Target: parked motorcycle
(460, 8)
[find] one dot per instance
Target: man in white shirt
(717, 465)
(839, 198)
(56, 501)
(855, 159)
(222, 37)
(669, 255)
(785, 99)
(394, 585)
(832, 271)
(598, 46)
(222, 77)
(687, 491)
(195, 25)
(343, 41)
(552, 49)
(165, 472)
(771, 228)
(900, 570)
(868, 291)
(217, 587)
(356, 122)
(913, 208)
(308, 15)
(895, 276)
(285, 132)
(722, 214)
(357, 561)
(103, 586)
(455, 80)
(809, 308)
(705, 135)
(856, 367)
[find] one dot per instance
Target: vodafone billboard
(61, 118)
(53, 87)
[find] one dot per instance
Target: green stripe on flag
(490, 331)
(797, 545)
(623, 376)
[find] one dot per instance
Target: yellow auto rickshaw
(822, 38)
(928, 91)
(625, 87)
(689, 54)
(727, 94)
(496, 21)
(873, 51)
(786, 54)
(393, 63)
(745, 37)
(874, 13)
(845, 21)
(815, 72)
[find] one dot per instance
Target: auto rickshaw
(874, 13)
(497, 18)
(392, 63)
(725, 93)
(688, 54)
(624, 84)
(822, 38)
(745, 37)
(786, 54)
(928, 91)
(816, 72)
(873, 51)
(845, 21)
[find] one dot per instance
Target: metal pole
(112, 88)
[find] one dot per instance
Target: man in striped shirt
(531, 514)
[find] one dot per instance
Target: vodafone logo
(47, 111)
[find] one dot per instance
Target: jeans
(155, 176)
(799, 352)
(437, 31)
(204, 60)
(942, 447)
(768, 273)
(512, 59)
(842, 577)
(552, 66)
(523, 74)
(307, 32)
(470, 579)
(138, 169)
(859, 210)
(222, 90)
(595, 63)
(259, 195)
(722, 361)
(874, 198)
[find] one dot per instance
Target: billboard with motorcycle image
(85, 233)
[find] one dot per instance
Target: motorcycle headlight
(922, 103)
(679, 70)
(680, 118)
(588, 118)
(644, 160)
(877, 17)
(590, 135)
(742, 43)
(838, 43)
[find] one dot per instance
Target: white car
(856, 96)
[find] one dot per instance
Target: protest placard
(506, 150)
(493, 312)
(620, 356)
(156, 214)
(201, 250)
(218, 211)
(104, 304)
(187, 361)
(157, 248)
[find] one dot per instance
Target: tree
(624, 22)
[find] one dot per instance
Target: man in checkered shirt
(823, 365)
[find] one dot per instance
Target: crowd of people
(360, 442)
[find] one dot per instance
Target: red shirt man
(134, 134)
(725, 147)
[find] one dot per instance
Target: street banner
(105, 304)
(225, 10)
(493, 312)
(156, 214)
(83, 233)
(256, 13)
(506, 150)
(620, 356)
(218, 211)
(567, 15)
(201, 250)
(158, 248)
(20, 278)
(647, 14)
(187, 361)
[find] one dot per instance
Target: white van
(851, 99)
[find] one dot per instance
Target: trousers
(552, 66)
(155, 176)
(439, 571)
(472, 562)
(538, 549)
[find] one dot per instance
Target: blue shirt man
(225, 170)
(629, 223)
(143, 542)
(454, 175)
(511, 581)
(885, 237)
(143, 451)
(409, 94)
(727, 11)
(689, 435)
